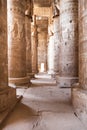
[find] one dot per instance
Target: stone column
(34, 46)
(16, 42)
(82, 44)
(28, 44)
(79, 93)
(68, 63)
(42, 44)
(51, 50)
(42, 51)
(56, 24)
(7, 94)
(28, 18)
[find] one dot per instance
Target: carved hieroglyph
(28, 18)
(16, 41)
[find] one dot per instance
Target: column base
(31, 75)
(7, 98)
(79, 101)
(51, 72)
(66, 81)
(19, 81)
(43, 76)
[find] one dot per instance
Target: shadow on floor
(21, 113)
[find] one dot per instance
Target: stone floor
(43, 107)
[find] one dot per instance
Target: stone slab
(79, 101)
(66, 81)
(43, 75)
(43, 81)
(5, 114)
(44, 108)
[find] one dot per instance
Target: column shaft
(16, 42)
(34, 46)
(79, 93)
(51, 50)
(7, 94)
(28, 18)
(82, 44)
(56, 43)
(3, 45)
(28, 44)
(68, 71)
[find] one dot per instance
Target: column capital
(56, 11)
(29, 8)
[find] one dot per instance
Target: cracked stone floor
(43, 107)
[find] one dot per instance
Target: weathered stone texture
(16, 40)
(79, 95)
(56, 43)
(28, 43)
(79, 100)
(7, 95)
(34, 47)
(68, 63)
(7, 98)
(28, 17)
(3, 45)
(82, 43)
